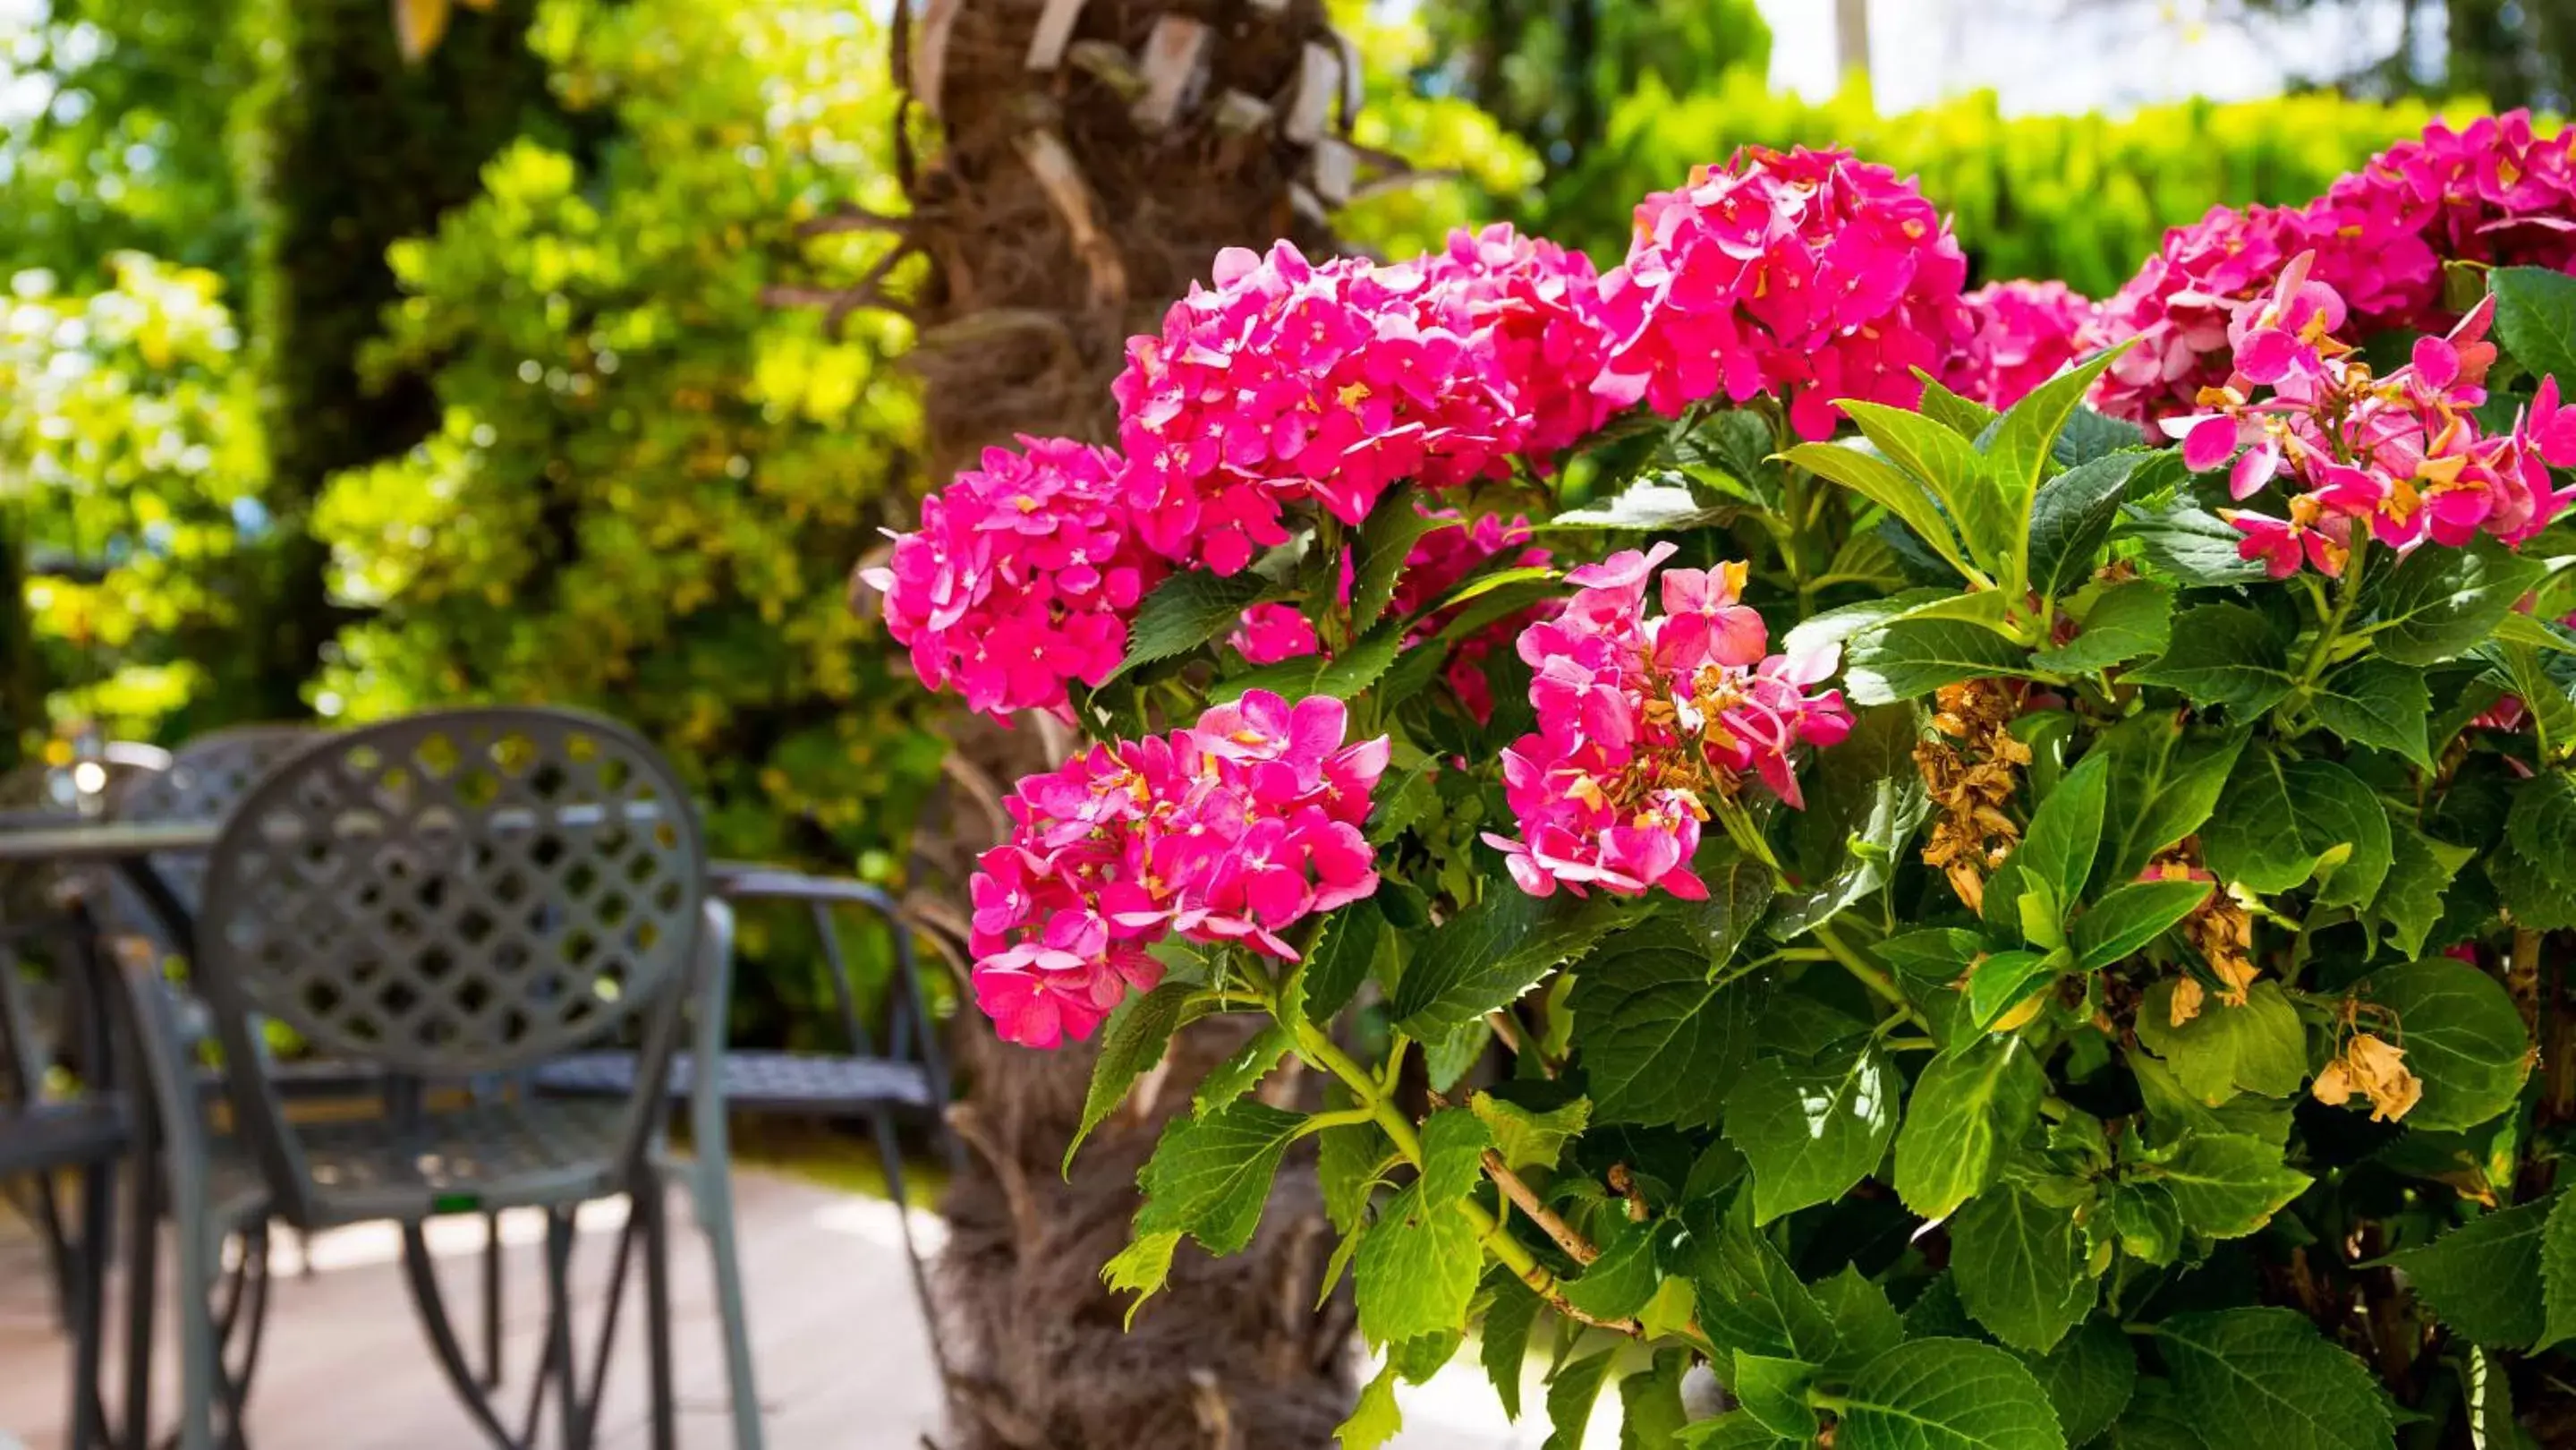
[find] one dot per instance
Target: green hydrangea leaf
(1570, 1396)
(1387, 535)
(2066, 831)
(1946, 1394)
(1374, 1419)
(2558, 1273)
(2123, 922)
(2129, 621)
(2257, 1048)
(1131, 1043)
(1812, 1127)
(2282, 821)
(2535, 319)
(1660, 1043)
(1348, 1160)
(1354, 940)
(1866, 1325)
(1618, 1284)
(2191, 544)
(1774, 1392)
(1242, 1071)
(1651, 1416)
(2486, 1278)
(2225, 1185)
(2438, 604)
(1528, 1139)
(1888, 486)
(1416, 1270)
(2071, 520)
(2378, 703)
(2155, 1420)
(1504, 1333)
(2088, 1378)
(2020, 1268)
(1487, 955)
(2462, 1036)
(1187, 610)
(1734, 1430)
(1209, 1177)
(2420, 871)
(2223, 655)
(2273, 1381)
(1749, 1298)
(1966, 1106)
(2164, 783)
(1914, 657)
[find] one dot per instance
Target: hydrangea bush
(1760, 830)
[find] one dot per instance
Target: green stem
(1876, 979)
(2321, 654)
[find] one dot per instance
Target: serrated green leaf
(1865, 800)
(2020, 449)
(1348, 1160)
(2462, 1036)
(1966, 1106)
(1416, 1270)
(1187, 610)
(2088, 1379)
(2020, 1268)
(2129, 918)
(2257, 1048)
(2071, 520)
(1354, 939)
(2066, 831)
(1570, 1396)
(1884, 484)
(1865, 1324)
(2485, 1278)
(1947, 1394)
(1950, 467)
(1749, 1297)
(2155, 1420)
(2223, 655)
(1774, 1392)
(2558, 1273)
(1504, 1334)
(1130, 1044)
(1734, 1430)
(2282, 821)
(1650, 1403)
(2226, 1185)
(2535, 319)
(2377, 703)
(1911, 658)
(2273, 1381)
(2164, 783)
(1617, 1284)
(1528, 1139)
(2005, 980)
(1375, 1419)
(1813, 1127)
(1209, 1177)
(1454, 1141)
(2129, 621)
(2187, 542)
(2439, 604)
(1658, 1041)
(1964, 416)
(1241, 1072)
(1386, 537)
(1141, 1267)
(2089, 436)
(2420, 869)
(1487, 955)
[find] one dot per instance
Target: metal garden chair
(450, 898)
(907, 1080)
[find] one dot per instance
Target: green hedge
(2078, 198)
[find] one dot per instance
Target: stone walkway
(843, 1361)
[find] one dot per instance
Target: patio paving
(843, 1360)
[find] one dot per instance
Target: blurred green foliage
(646, 487)
(2079, 198)
(129, 464)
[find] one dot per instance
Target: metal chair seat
(48, 1136)
(758, 1081)
(479, 1158)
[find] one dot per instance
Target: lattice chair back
(207, 777)
(453, 894)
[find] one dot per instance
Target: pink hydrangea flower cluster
(1641, 720)
(1021, 577)
(1291, 381)
(2402, 455)
(1230, 831)
(2493, 193)
(1438, 563)
(1537, 308)
(1807, 275)
(2020, 334)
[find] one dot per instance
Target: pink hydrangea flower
(1805, 275)
(1537, 308)
(1293, 382)
(2020, 334)
(1231, 831)
(1642, 718)
(2401, 455)
(2494, 193)
(1021, 578)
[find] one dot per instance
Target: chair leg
(420, 1274)
(559, 1356)
(890, 1157)
(653, 1203)
(491, 1301)
(142, 1293)
(88, 1307)
(60, 1255)
(200, 1366)
(711, 1198)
